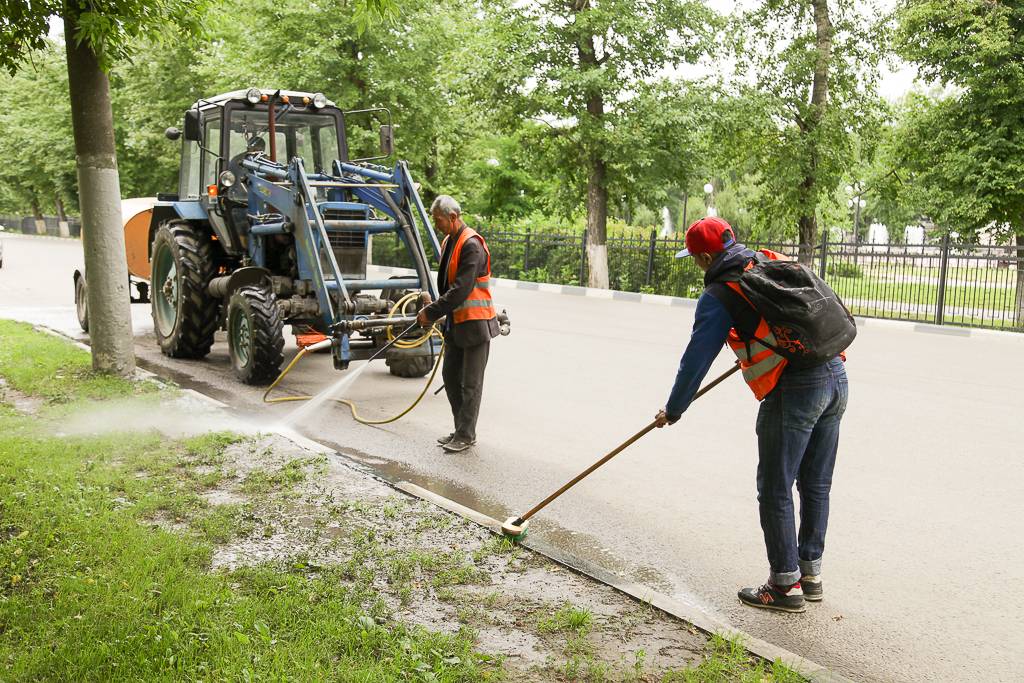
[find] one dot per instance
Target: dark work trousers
(463, 374)
(798, 436)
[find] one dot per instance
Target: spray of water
(332, 392)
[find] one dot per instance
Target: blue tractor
(271, 226)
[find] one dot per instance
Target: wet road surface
(924, 559)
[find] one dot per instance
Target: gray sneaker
(442, 440)
(458, 444)
(813, 591)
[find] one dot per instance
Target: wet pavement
(924, 553)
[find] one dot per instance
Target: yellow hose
(401, 343)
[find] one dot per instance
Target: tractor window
(211, 141)
(188, 185)
(298, 135)
(328, 146)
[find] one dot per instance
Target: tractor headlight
(319, 100)
(227, 179)
(252, 95)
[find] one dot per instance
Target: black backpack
(810, 322)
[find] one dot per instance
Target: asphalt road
(924, 565)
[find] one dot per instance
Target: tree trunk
(110, 323)
(808, 223)
(597, 224)
(597, 191)
(61, 216)
(1019, 264)
(37, 214)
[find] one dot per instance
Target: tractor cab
(221, 131)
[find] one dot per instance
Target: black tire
(82, 302)
(410, 366)
(255, 335)
(185, 319)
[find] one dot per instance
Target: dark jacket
(472, 264)
(711, 325)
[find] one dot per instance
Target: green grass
(727, 660)
(566, 619)
(48, 367)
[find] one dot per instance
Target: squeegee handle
(621, 447)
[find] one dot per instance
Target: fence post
(823, 267)
(583, 258)
(940, 299)
(526, 252)
(650, 257)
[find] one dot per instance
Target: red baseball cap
(709, 235)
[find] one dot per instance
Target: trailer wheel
(255, 335)
(82, 302)
(184, 313)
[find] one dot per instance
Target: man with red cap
(797, 424)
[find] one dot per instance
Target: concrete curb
(662, 300)
(6, 233)
(706, 623)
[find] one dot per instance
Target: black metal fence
(944, 282)
(50, 225)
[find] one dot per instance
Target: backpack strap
(746, 318)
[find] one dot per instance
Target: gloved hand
(662, 419)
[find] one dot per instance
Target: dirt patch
(428, 567)
(23, 403)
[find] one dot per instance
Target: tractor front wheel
(255, 335)
(185, 316)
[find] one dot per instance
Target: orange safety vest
(761, 366)
(478, 305)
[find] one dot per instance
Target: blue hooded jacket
(711, 326)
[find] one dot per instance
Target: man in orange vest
(797, 424)
(463, 284)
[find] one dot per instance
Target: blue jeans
(797, 439)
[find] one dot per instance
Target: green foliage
(587, 74)
(962, 151)
(112, 28)
(798, 148)
(36, 141)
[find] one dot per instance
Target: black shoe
(442, 440)
(811, 586)
(458, 444)
(773, 597)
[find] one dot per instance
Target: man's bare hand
(661, 419)
(422, 318)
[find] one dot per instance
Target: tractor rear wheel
(82, 302)
(255, 335)
(401, 365)
(184, 313)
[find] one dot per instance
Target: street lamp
(856, 202)
(709, 200)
